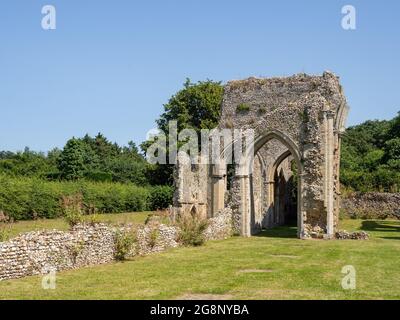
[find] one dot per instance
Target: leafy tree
(76, 159)
(26, 163)
(392, 149)
(196, 106)
(371, 156)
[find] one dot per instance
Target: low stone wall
(43, 251)
(221, 226)
(357, 235)
(155, 238)
(372, 205)
(40, 252)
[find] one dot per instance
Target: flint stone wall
(220, 227)
(372, 205)
(40, 252)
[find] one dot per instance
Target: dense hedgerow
(25, 198)
(160, 197)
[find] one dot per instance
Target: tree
(196, 106)
(76, 159)
(371, 156)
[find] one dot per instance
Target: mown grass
(60, 223)
(291, 269)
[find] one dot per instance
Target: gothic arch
(292, 149)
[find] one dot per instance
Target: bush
(72, 207)
(124, 240)
(161, 197)
(23, 198)
(99, 176)
(5, 232)
(5, 226)
(191, 230)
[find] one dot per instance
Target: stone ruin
(293, 173)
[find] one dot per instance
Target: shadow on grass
(279, 232)
(382, 226)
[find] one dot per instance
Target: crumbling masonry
(293, 173)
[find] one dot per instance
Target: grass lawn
(60, 224)
(273, 265)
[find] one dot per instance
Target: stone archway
(243, 191)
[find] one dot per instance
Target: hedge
(26, 198)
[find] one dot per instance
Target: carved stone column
(329, 174)
(218, 187)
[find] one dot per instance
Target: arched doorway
(284, 199)
(268, 192)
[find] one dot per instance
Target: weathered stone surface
(191, 187)
(40, 251)
(220, 226)
(372, 205)
(358, 235)
(156, 238)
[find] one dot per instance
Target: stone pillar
(301, 214)
(242, 175)
(218, 187)
(244, 207)
(270, 203)
(329, 174)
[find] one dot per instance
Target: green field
(273, 265)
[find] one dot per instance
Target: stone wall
(155, 238)
(40, 252)
(191, 187)
(372, 205)
(220, 226)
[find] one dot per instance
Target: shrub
(5, 231)
(124, 240)
(72, 207)
(191, 230)
(5, 226)
(161, 197)
(154, 233)
(23, 198)
(93, 219)
(100, 176)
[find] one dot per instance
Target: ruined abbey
(292, 174)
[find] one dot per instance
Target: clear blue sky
(111, 65)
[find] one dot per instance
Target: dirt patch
(255, 271)
(283, 294)
(204, 296)
(284, 256)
